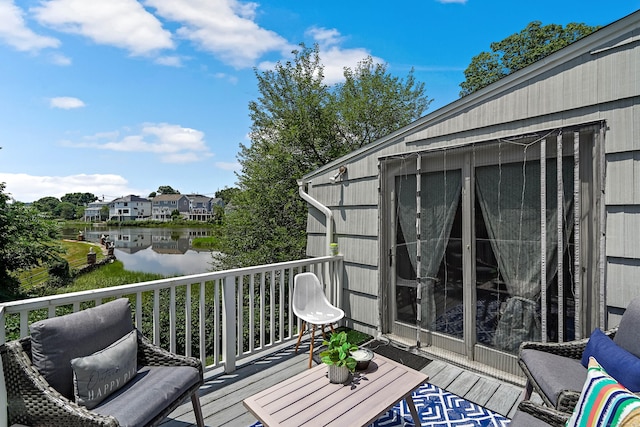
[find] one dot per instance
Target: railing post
(229, 324)
(3, 389)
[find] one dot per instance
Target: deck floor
(221, 396)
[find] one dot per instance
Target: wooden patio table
(309, 399)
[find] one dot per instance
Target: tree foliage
(167, 189)
(79, 199)
(26, 240)
(534, 42)
(299, 123)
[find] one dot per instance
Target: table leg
(412, 409)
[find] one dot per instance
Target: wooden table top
(309, 399)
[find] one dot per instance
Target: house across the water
(510, 214)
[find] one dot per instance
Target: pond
(166, 251)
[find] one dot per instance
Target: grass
(355, 337)
(210, 242)
(112, 274)
(74, 252)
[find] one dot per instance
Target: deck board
(222, 396)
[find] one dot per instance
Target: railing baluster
(187, 321)
(262, 310)
(252, 316)
(202, 326)
(172, 319)
(281, 307)
(156, 317)
(272, 307)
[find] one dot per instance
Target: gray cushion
(152, 390)
(627, 335)
(97, 376)
(554, 373)
(55, 341)
(524, 419)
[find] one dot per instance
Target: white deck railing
(220, 317)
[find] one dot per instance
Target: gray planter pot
(338, 374)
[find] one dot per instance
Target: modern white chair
(311, 306)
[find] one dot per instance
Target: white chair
(311, 306)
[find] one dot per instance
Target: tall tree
(167, 189)
(26, 240)
(515, 52)
(79, 199)
(299, 123)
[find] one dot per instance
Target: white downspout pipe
(328, 214)
(325, 210)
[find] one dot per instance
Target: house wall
(595, 79)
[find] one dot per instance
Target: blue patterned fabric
(438, 408)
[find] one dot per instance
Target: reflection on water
(166, 251)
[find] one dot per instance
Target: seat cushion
(149, 393)
(55, 341)
(524, 419)
(554, 373)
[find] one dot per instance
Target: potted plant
(338, 357)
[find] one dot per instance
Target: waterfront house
(129, 208)
(164, 204)
(510, 214)
(92, 212)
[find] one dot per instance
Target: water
(166, 251)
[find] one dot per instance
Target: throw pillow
(55, 341)
(97, 376)
(618, 362)
(604, 402)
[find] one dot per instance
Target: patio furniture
(59, 375)
(311, 306)
(530, 414)
(309, 397)
(556, 370)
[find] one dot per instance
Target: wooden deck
(222, 395)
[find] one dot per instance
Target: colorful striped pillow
(604, 402)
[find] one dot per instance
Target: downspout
(329, 236)
(322, 208)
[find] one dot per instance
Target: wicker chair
(555, 371)
(34, 402)
(530, 414)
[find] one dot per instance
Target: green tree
(299, 123)
(48, 205)
(515, 52)
(79, 199)
(66, 210)
(167, 189)
(226, 194)
(26, 240)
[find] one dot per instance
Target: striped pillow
(604, 402)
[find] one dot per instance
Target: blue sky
(118, 97)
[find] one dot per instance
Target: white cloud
(28, 188)
(169, 61)
(66, 102)
(14, 31)
(59, 59)
(122, 23)
(173, 143)
(228, 166)
(222, 27)
(333, 56)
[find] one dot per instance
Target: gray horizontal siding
(361, 308)
(356, 250)
(622, 275)
(353, 220)
(623, 178)
(363, 191)
(361, 278)
(623, 231)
